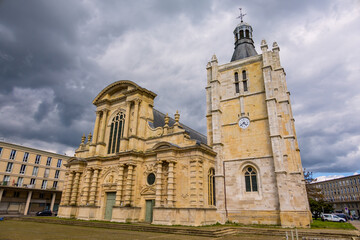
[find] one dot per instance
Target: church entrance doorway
(149, 210)
(110, 202)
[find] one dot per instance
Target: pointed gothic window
(211, 186)
(116, 132)
(245, 86)
(250, 179)
(236, 76)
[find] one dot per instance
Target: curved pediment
(120, 89)
(148, 191)
(164, 145)
(76, 160)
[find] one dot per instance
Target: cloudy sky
(55, 56)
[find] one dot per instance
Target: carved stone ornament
(109, 178)
(147, 190)
(109, 173)
(151, 167)
(185, 195)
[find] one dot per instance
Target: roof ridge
(181, 123)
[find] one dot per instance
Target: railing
(5, 183)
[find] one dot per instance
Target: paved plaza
(52, 228)
(18, 230)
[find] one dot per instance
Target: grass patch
(331, 225)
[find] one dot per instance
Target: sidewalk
(356, 223)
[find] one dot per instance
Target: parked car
(44, 213)
(332, 218)
(355, 217)
(342, 215)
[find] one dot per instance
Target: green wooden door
(110, 202)
(149, 210)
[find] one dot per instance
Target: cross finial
(241, 15)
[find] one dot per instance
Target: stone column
(27, 203)
(75, 190)
(96, 128)
(170, 192)
(119, 186)
(1, 193)
(84, 200)
(93, 187)
(68, 188)
(127, 120)
(129, 185)
(103, 125)
(52, 202)
(158, 184)
(136, 115)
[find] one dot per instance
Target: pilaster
(128, 190)
(75, 190)
(93, 187)
(158, 184)
(68, 188)
(104, 119)
(96, 127)
(171, 188)
(119, 186)
(137, 102)
(85, 195)
(100, 147)
(127, 120)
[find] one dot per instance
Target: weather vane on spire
(241, 15)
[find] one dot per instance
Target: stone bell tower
(250, 126)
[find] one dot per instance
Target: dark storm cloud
(41, 51)
(55, 56)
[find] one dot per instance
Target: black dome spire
(244, 44)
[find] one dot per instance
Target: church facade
(141, 165)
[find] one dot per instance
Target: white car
(332, 218)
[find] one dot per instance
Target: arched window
(116, 132)
(247, 33)
(245, 86)
(211, 186)
(250, 179)
(236, 76)
(244, 75)
(241, 34)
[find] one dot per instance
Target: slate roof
(160, 122)
(244, 49)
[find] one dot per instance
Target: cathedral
(141, 165)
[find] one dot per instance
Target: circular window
(151, 179)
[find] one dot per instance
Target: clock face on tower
(244, 122)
